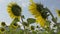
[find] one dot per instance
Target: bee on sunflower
(39, 12)
(14, 10)
(58, 12)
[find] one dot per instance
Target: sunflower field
(40, 24)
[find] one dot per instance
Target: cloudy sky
(51, 4)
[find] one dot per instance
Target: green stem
(22, 20)
(50, 13)
(54, 21)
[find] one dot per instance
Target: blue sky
(51, 4)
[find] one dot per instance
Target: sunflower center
(3, 24)
(15, 24)
(41, 10)
(39, 7)
(16, 10)
(2, 29)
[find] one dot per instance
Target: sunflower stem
(22, 20)
(55, 21)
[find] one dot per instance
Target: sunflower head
(14, 25)
(2, 30)
(39, 11)
(14, 10)
(32, 27)
(58, 12)
(39, 7)
(42, 11)
(3, 24)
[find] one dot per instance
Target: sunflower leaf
(54, 20)
(25, 24)
(23, 16)
(31, 20)
(48, 23)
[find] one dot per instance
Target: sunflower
(14, 10)
(14, 25)
(32, 28)
(39, 12)
(2, 30)
(3, 24)
(58, 12)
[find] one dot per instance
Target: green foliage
(25, 24)
(28, 28)
(14, 28)
(34, 32)
(48, 23)
(23, 16)
(31, 20)
(32, 28)
(54, 20)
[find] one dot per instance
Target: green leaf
(31, 20)
(25, 24)
(48, 23)
(54, 19)
(23, 16)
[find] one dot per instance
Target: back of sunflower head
(58, 12)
